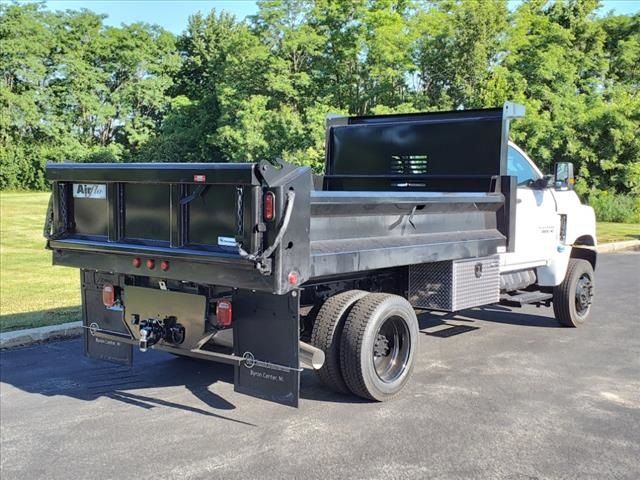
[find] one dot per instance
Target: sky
(174, 14)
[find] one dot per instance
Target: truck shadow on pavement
(60, 369)
(436, 324)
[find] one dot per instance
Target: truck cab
(551, 227)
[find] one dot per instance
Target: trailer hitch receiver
(153, 330)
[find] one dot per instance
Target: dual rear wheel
(369, 340)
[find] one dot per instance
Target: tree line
(75, 89)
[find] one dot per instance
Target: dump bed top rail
(367, 199)
(207, 173)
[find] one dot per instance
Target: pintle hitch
(153, 330)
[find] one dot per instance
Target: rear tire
(326, 334)
(572, 298)
(378, 346)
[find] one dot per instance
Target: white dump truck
(269, 268)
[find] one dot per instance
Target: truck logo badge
(249, 360)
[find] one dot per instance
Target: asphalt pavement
(496, 393)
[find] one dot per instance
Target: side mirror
(563, 173)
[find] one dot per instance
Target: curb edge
(31, 336)
(619, 246)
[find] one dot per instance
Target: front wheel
(378, 346)
(572, 298)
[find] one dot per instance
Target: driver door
(537, 223)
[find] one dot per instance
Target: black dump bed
(398, 190)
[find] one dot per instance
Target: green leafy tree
(459, 46)
(25, 123)
(226, 90)
(75, 90)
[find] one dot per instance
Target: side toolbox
(455, 285)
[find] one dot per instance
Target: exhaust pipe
(308, 355)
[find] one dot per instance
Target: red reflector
(269, 206)
(164, 265)
(108, 295)
(293, 278)
(199, 178)
(136, 262)
(224, 312)
(151, 264)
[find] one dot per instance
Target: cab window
(518, 166)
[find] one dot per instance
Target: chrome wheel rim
(391, 349)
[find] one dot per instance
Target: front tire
(572, 298)
(378, 346)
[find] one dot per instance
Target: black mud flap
(265, 330)
(96, 318)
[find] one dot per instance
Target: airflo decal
(89, 190)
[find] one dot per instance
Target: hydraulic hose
(260, 258)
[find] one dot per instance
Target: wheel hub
(584, 294)
(391, 349)
(381, 347)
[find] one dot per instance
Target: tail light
(164, 265)
(136, 262)
(108, 295)
(269, 206)
(151, 264)
(224, 313)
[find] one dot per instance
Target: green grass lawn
(615, 232)
(34, 293)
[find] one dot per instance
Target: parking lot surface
(496, 393)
